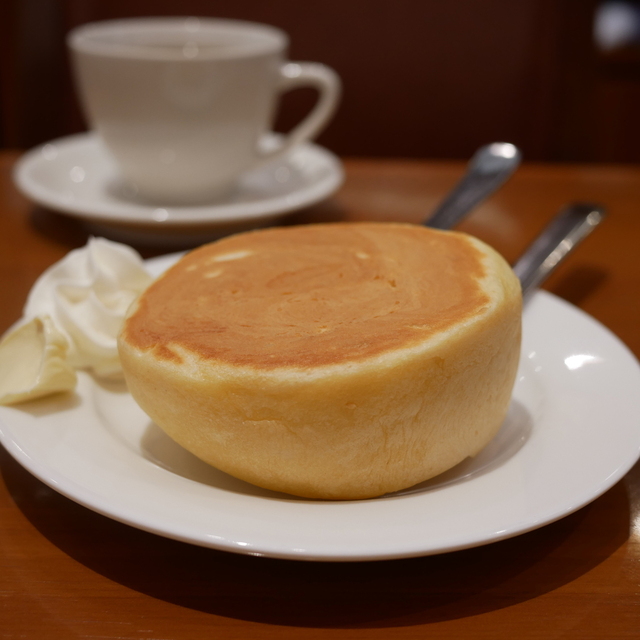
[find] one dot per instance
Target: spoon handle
(488, 169)
(556, 242)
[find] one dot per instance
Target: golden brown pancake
(329, 361)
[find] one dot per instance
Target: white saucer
(573, 430)
(76, 176)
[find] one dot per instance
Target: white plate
(76, 175)
(572, 432)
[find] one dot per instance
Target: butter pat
(71, 321)
(33, 362)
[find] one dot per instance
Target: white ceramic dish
(572, 432)
(76, 176)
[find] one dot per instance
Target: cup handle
(307, 74)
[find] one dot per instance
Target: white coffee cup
(183, 104)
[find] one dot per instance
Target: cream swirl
(86, 295)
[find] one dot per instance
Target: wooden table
(66, 572)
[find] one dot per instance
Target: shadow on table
(577, 284)
(391, 593)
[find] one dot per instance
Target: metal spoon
(488, 169)
(558, 239)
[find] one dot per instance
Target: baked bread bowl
(332, 361)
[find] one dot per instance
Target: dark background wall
(422, 78)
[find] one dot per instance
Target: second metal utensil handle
(556, 242)
(488, 169)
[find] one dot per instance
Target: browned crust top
(310, 295)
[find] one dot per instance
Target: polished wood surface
(67, 572)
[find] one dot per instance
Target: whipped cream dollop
(75, 311)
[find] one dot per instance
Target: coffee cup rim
(109, 38)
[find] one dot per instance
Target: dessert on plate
(333, 361)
